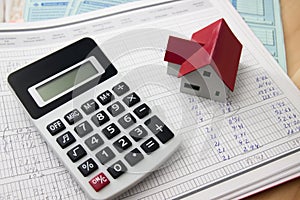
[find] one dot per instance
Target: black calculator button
(111, 131)
(105, 97)
(94, 142)
(88, 167)
(121, 89)
(150, 146)
(65, 140)
(100, 118)
(162, 132)
(131, 99)
(105, 155)
(142, 111)
(116, 109)
(83, 129)
(73, 116)
(117, 169)
(89, 107)
(76, 153)
(122, 144)
(133, 157)
(56, 127)
(127, 120)
(138, 133)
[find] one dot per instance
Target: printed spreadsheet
(258, 123)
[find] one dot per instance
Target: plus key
(160, 130)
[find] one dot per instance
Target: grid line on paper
(24, 153)
(12, 114)
(235, 135)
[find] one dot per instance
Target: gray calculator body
(104, 133)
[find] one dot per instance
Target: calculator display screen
(66, 81)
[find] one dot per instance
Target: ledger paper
(223, 145)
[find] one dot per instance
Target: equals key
(142, 111)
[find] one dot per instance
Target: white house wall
(211, 87)
(173, 69)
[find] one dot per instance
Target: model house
(208, 63)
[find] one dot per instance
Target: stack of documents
(37, 10)
(263, 17)
(229, 150)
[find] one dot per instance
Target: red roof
(178, 55)
(221, 49)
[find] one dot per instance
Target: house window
(217, 93)
(206, 73)
(190, 86)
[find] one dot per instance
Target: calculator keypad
(89, 107)
(56, 127)
(138, 133)
(83, 129)
(76, 153)
(88, 167)
(134, 157)
(122, 144)
(106, 97)
(120, 89)
(94, 142)
(115, 109)
(73, 116)
(111, 131)
(100, 118)
(129, 135)
(105, 155)
(142, 111)
(131, 99)
(127, 120)
(117, 169)
(65, 140)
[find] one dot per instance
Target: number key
(83, 129)
(127, 120)
(122, 144)
(100, 118)
(138, 133)
(111, 131)
(105, 155)
(117, 169)
(116, 109)
(94, 142)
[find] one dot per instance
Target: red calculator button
(99, 182)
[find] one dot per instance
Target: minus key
(142, 111)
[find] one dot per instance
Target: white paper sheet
(228, 149)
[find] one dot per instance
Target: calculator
(103, 131)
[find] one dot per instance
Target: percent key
(88, 167)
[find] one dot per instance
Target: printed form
(229, 150)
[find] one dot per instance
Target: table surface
(290, 14)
